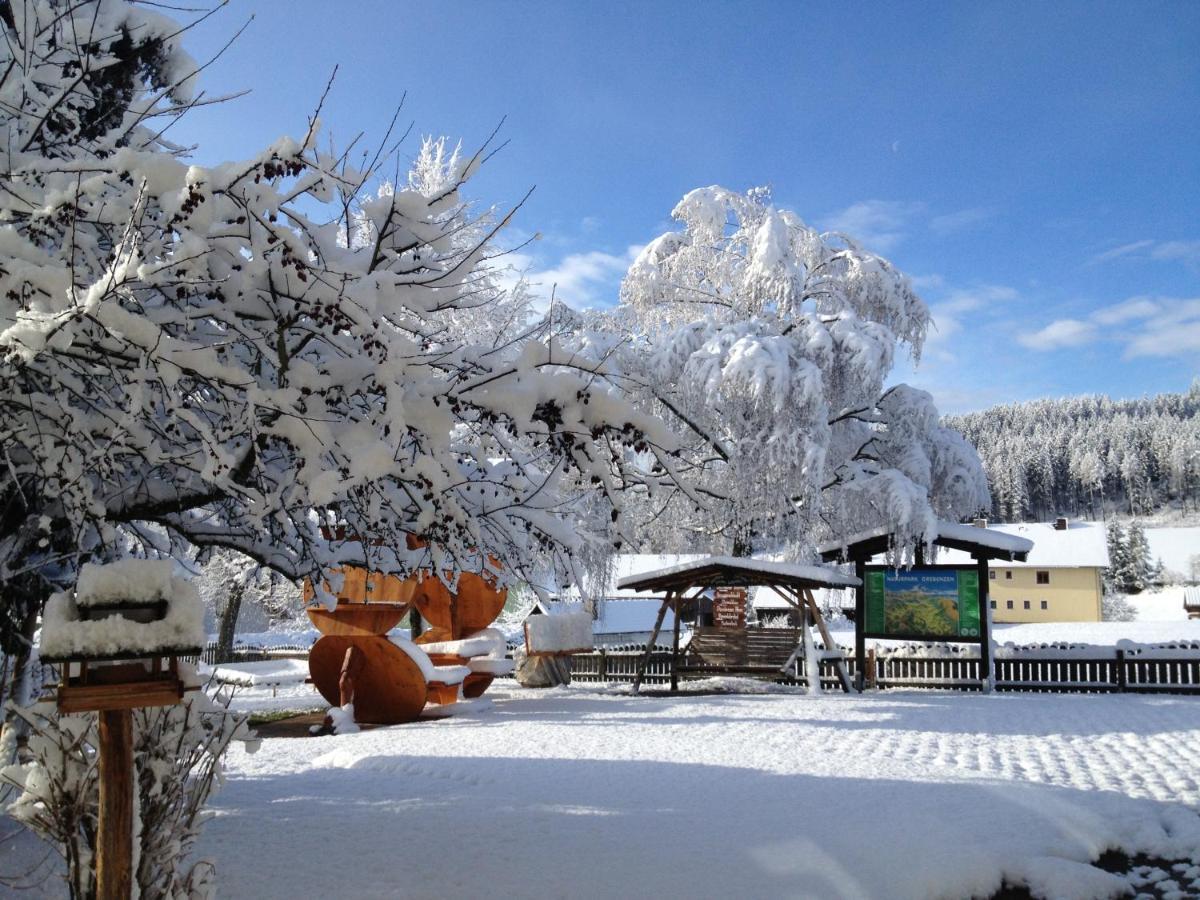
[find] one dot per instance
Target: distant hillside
(1081, 455)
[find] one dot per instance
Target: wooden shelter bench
(730, 651)
(794, 583)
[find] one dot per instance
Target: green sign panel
(930, 604)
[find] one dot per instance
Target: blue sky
(1034, 166)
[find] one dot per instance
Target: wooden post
(645, 660)
(870, 664)
(827, 638)
(114, 857)
(860, 615)
(675, 652)
(986, 676)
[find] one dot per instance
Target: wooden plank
(827, 639)
(860, 615)
(675, 653)
(987, 673)
(114, 862)
(163, 691)
(641, 671)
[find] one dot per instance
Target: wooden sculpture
(390, 681)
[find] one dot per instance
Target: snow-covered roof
(1080, 544)
(628, 564)
(821, 575)
(995, 538)
(990, 538)
(764, 598)
(630, 616)
(622, 615)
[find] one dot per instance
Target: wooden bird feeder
(117, 653)
(123, 679)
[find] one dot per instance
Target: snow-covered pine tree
(1116, 576)
(234, 356)
(1137, 551)
(1129, 456)
(768, 344)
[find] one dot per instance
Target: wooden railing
(1121, 672)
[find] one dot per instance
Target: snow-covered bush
(177, 765)
(1115, 607)
(767, 344)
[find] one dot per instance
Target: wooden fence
(1122, 672)
(242, 654)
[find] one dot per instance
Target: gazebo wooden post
(860, 614)
(675, 651)
(114, 857)
(987, 678)
(827, 638)
(645, 660)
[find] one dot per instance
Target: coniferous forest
(1084, 456)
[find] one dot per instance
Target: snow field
(591, 792)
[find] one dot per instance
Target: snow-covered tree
(1086, 455)
(1116, 576)
(231, 585)
(1137, 551)
(235, 356)
(768, 345)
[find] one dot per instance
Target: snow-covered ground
(590, 792)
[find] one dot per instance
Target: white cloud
(1173, 331)
(1187, 251)
(981, 296)
(947, 312)
(1147, 326)
(879, 225)
(927, 282)
(1163, 251)
(1118, 252)
(950, 223)
(581, 280)
(1061, 333)
(1127, 311)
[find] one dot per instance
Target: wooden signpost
(729, 607)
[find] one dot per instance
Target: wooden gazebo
(683, 584)
(980, 543)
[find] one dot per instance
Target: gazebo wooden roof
(979, 542)
(733, 571)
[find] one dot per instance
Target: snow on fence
(1102, 670)
(1127, 668)
(240, 653)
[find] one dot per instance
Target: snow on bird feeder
(118, 640)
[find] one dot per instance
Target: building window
(993, 604)
(1008, 574)
(992, 574)
(1008, 603)
(1027, 604)
(1045, 604)
(1043, 577)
